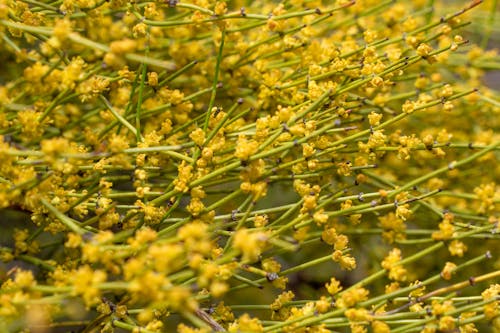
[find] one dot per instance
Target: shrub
(249, 166)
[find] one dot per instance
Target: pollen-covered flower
(424, 49)
(184, 176)
(352, 296)
(396, 271)
(457, 248)
(245, 148)
(333, 287)
(198, 136)
(446, 228)
(486, 194)
(250, 244)
(448, 269)
(491, 309)
(246, 323)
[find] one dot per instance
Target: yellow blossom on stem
(448, 269)
(333, 287)
(457, 248)
(250, 244)
(390, 263)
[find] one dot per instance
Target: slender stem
(68, 222)
(118, 117)
(139, 99)
(216, 80)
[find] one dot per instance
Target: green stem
(118, 117)
(72, 225)
(130, 327)
(215, 81)
(139, 100)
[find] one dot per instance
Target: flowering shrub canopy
(249, 166)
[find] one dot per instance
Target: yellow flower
(392, 287)
(196, 236)
(322, 305)
(358, 314)
(329, 235)
(260, 221)
(492, 309)
(220, 8)
(184, 177)
(424, 49)
(346, 261)
(333, 287)
(24, 279)
(390, 263)
(441, 308)
(340, 242)
(457, 248)
(282, 299)
(245, 148)
(350, 297)
(446, 229)
(320, 217)
(486, 193)
(74, 240)
(344, 168)
(394, 227)
(380, 327)
(447, 323)
(198, 136)
(409, 107)
(152, 79)
(403, 212)
(85, 282)
(250, 244)
(246, 324)
(270, 265)
(448, 269)
(123, 46)
(195, 206)
(374, 118)
(218, 289)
